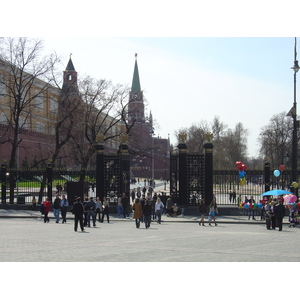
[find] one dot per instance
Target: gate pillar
(125, 166)
(100, 167)
(208, 172)
(3, 183)
(182, 164)
(49, 181)
(267, 176)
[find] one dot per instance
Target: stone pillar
(208, 172)
(125, 166)
(49, 180)
(267, 176)
(3, 183)
(182, 164)
(100, 167)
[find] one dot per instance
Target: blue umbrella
(276, 193)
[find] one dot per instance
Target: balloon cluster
(276, 173)
(290, 201)
(242, 174)
(250, 205)
(295, 184)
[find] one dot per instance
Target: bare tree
(230, 145)
(276, 139)
(25, 76)
(103, 109)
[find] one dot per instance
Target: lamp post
(295, 123)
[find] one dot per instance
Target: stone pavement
(26, 238)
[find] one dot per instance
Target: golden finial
(208, 136)
(123, 138)
(182, 137)
(100, 138)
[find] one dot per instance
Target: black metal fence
(34, 183)
(20, 186)
(228, 190)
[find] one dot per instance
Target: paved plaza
(26, 238)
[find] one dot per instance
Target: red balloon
(244, 167)
(281, 168)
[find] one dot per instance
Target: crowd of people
(147, 205)
(84, 211)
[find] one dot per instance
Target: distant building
(149, 154)
(38, 120)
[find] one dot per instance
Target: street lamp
(295, 123)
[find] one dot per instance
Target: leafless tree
(103, 109)
(276, 139)
(230, 145)
(22, 71)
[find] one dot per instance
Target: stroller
(293, 218)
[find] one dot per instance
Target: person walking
(169, 206)
(33, 203)
(147, 211)
(251, 203)
(125, 203)
(279, 214)
(78, 211)
(159, 206)
(56, 207)
(202, 210)
(91, 209)
(137, 212)
(213, 210)
(105, 209)
(63, 208)
(120, 207)
(99, 209)
(86, 200)
(47, 205)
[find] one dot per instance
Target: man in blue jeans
(56, 207)
(91, 212)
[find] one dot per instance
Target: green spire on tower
(136, 86)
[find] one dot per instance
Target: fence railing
(33, 183)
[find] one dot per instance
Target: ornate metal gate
(187, 183)
(112, 176)
(191, 176)
(195, 178)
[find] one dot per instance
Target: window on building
(53, 106)
(39, 101)
(40, 127)
(2, 87)
(3, 119)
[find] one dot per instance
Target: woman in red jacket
(47, 209)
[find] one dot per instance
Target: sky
(187, 80)
(196, 61)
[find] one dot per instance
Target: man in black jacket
(279, 214)
(147, 212)
(78, 211)
(125, 203)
